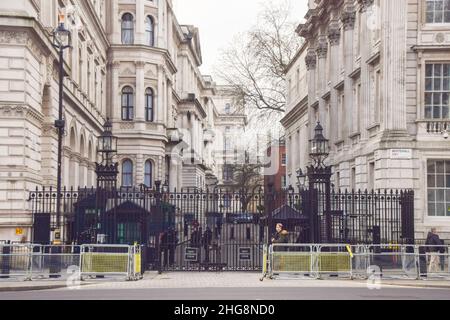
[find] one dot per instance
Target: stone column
(140, 91)
(311, 63)
(365, 68)
(348, 17)
(160, 26)
(159, 112)
(116, 23)
(115, 108)
(322, 51)
(173, 172)
(140, 22)
(393, 82)
(334, 37)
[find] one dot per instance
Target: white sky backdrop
(219, 21)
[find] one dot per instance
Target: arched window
(127, 29)
(149, 105)
(127, 173)
(148, 179)
(149, 31)
(127, 104)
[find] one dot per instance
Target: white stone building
(130, 61)
(378, 74)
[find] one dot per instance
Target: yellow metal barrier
(93, 262)
(137, 263)
(294, 262)
(334, 262)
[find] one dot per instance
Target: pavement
(199, 280)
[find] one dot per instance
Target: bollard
(6, 259)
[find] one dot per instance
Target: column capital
(365, 4)
(334, 32)
(348, 16)
(322, 47)
(139, 64)
(311, 59)
(114, 64)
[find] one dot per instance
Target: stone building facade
(130, 61)
(378, 80)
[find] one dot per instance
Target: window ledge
(373, 126)
(355, 135)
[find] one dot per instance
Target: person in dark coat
(281, 236)
(207, 239)
(434, 251)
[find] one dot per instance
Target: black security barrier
(224, 229)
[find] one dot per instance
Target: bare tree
(248, 180)
(254, 65)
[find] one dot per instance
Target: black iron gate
(226, 230)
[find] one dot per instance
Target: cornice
(20, 111)
(295, 113)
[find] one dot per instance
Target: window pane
(428, 99)
(428, 112)
(429, 70)
(441, 210)
(431, 209)
(447, 5)
(431, 167)
(446, 70)
(445, 112)
(437, 70)
(440, 167)
(437, 112)
(440, 195)
(437, 84)
(438, 17)
(428, 84)
(446, 86)
(440, 181)
(431, 196)
(431, 181)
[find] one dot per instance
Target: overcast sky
(220, 20)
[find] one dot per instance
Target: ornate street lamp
(62, 40)
(107, 170)
(291, 192)
(301, 178)
(319, 176)
(107, 143)
(319, 147)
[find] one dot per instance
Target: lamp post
(107, 172)
(107, 144)
(61, 41)
(319, 178)
(291, 192)
(301, 178)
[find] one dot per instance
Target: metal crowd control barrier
(334, 260)
(292, 259)
(37, 262)
(102, 261)
(58, 262)
(393, 261)
(433, 262)
(15, 261)
(361, 261)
